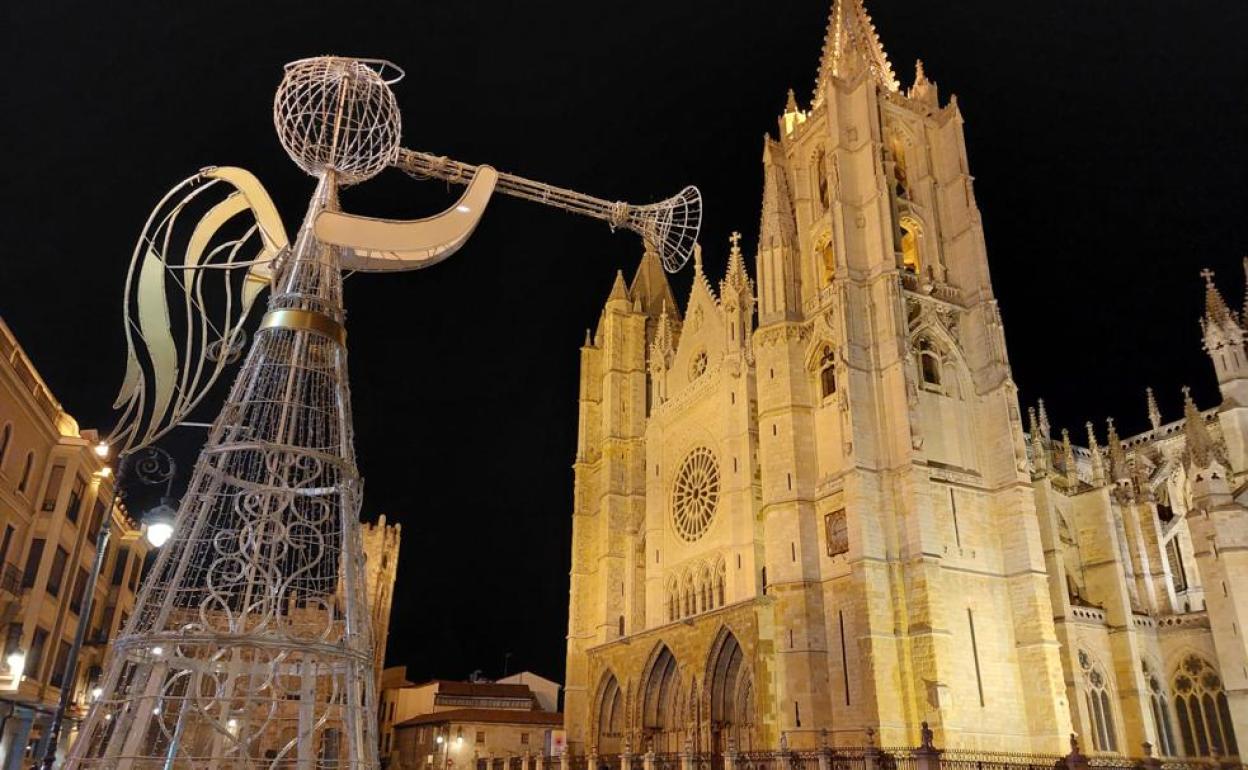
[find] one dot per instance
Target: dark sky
(1106, 139)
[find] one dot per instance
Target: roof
(495, 716)
(482, 689)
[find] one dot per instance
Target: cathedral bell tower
(902, 545)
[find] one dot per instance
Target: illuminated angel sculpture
(250, 643)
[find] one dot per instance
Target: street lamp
(152, 466)
(158, 522)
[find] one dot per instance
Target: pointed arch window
(910, 258)
(1202, 710)
(929, 363)
(1160, 707)
(1099, 704)
(721, 577)
(827, 373)
(821, 179)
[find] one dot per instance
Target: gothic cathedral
(812, 505)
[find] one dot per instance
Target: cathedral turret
(779, 281)
(1224, 341)
(850, 46)
(1154, 414)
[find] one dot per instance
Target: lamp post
(153, 466)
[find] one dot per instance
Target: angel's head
(337, 113)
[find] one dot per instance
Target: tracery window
(720, 580)
(1100, 709)
(910, 261)
(1160, 708)
(695, 494)
(1202, 709)
(827, 373)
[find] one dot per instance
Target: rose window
(695, 495)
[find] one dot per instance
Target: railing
(978, 760)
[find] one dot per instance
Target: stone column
(786, 756)
(526, 761)
(686, 756)
(563, 759)
(730, 756)
(648, 762)
(541, 760)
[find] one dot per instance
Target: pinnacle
(1200, 446)
(1216, 309)
(851, 34)
(618, 289)
(1154, 414)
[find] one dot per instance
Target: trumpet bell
(670, 227)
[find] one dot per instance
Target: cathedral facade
(811, 504)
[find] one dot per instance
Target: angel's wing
(205, 254)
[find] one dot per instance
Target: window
(929, 363)
(58, 667)
(1201, 706)
(13, 640)
(827, 373)
(32, 563)
(136, 567)
(480, 736)
(119, 566)
(979, 677)
(910, 247)
(5, 436)
(25, 480)
(54, 487)
(821, 179)
(35, 657)
(1096, 698)
(97, 518)
(1161, 714)
(524, 739)
(1175, 557)
(80, 589)
(4, 544)
(837, 532)
(76, 494)
(57, 574)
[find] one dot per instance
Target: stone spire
(619, 292)
(850, 44)
(736, 278)
(790, 104)
(1098, 466)
(1044, 419)
(1216, 310)
(1039, 453)
(778, 226)
(922, 90)
(1201, 450)
(1154, 414)
(1118, 470)
(650, 288)
(1068, 458)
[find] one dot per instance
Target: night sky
(1106, 139)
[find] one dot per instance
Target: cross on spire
(1207, 274)
(735, 239)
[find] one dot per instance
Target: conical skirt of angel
(250, 644)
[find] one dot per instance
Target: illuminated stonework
(890, 543)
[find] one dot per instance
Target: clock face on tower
(695, 494)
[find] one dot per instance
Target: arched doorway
(611, 722)
(731, 686)
(660, 705)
